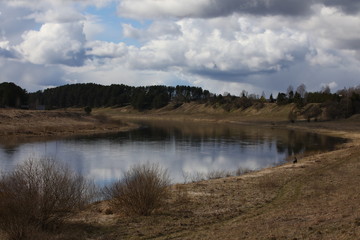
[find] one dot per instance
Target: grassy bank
(15, 123)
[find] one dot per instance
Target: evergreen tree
(12, 95)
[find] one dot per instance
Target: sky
(219, 45)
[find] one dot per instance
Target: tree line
(341, 104)
(118, 95)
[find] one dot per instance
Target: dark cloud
(260, 7)
(75, 59)
(274, 7)
(221, 8)
(234, 76)
(353, 44)
(348, 6)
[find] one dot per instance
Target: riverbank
(316, 198)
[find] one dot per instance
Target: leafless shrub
(193, 177)
(197, 177)
(216, 174)
(39, 195)
(241, 171)
(143, 189)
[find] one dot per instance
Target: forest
(341, 104)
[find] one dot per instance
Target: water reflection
(178, 147)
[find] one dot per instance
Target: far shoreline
(31, 125)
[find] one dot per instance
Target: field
(316, 198)
(18, 126)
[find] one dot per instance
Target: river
(184, 149)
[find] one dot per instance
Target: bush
(216, 174)
(39, 195)
(87, 110)
(142, 190)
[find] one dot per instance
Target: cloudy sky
(220, 45)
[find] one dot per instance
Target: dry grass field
(316, 198)
(27, 125)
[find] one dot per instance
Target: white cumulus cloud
(106, 49)
(54, 43)
(159, 29)
(204, 47)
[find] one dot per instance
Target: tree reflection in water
(178, 146)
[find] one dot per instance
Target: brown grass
(15, 123)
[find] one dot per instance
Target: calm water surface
(184, 149)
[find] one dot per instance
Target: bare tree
(301, 89)
(326, 89)
(289, 90)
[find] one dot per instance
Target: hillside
(203, 112)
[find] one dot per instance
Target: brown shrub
(143, 189)
(39, 195)
(216, 174)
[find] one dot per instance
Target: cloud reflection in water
(179, 147)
